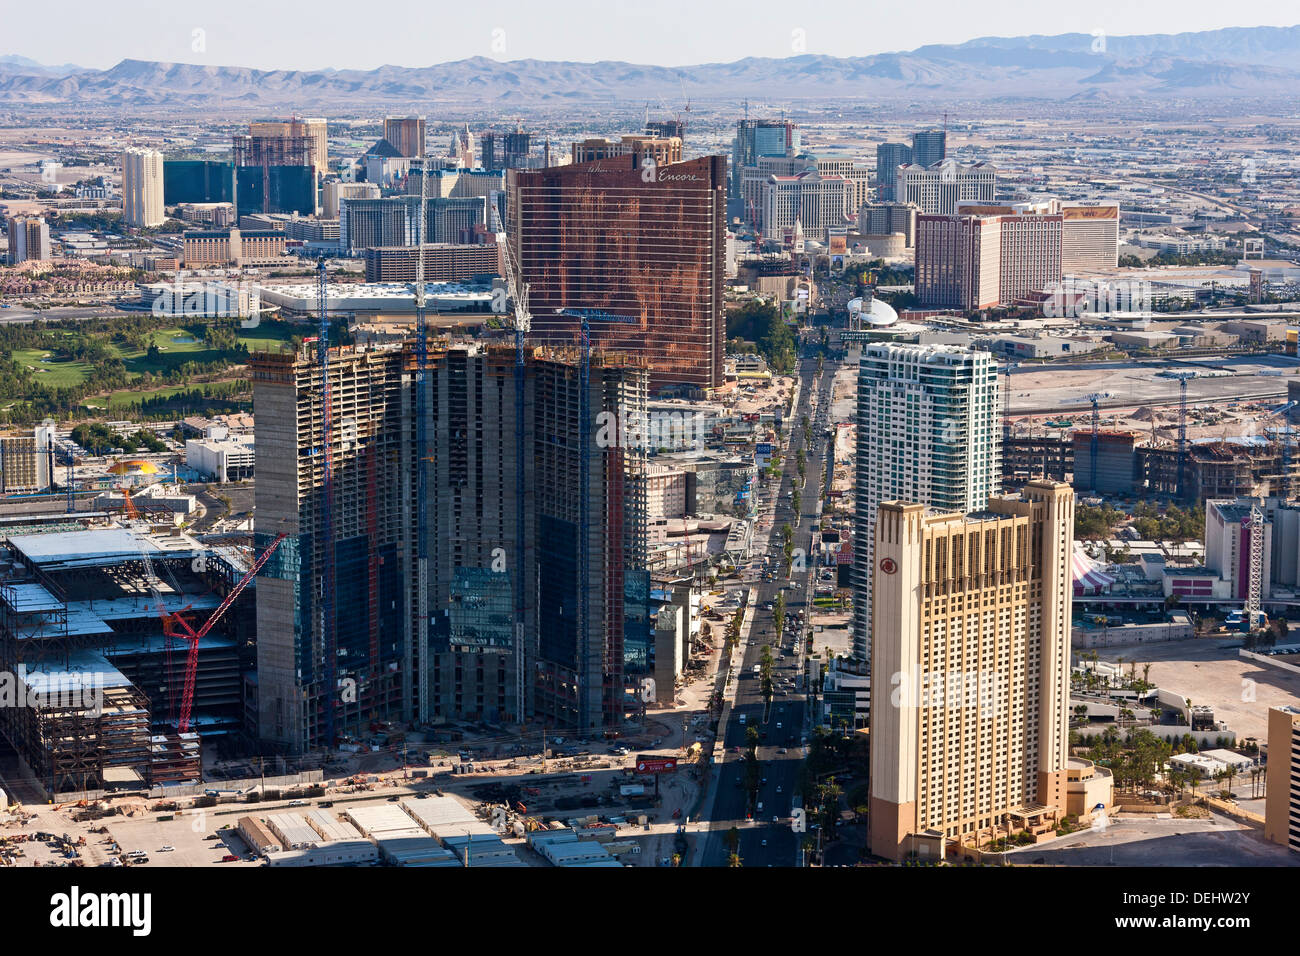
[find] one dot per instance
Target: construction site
(1183, 450)
(96, 625)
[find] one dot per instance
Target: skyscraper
(970, 670)
(638, 253)
(928, 431)
(929, 146)
(406, 134)
(333, 657)
(511, 632)
(817, 201)
(142, 187)
(1282, 786)
(889, 156)
(986, 255)
(29, 238)
(286, 136)
(755, 138)
(1089, 237)
(276, 166)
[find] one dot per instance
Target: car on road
(765, 843)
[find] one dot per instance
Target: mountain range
(1259, 62)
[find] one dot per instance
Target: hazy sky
(275, 34)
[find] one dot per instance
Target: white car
(168, 848)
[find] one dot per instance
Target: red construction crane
(185, 632)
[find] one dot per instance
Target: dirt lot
(1209, 672)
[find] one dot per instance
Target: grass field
(176, 347)
(53, 373)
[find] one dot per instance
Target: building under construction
(512, 631)
(1221, 469)
(341, 658)
(82, 626)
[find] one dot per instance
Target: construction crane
(328, 570)
(1255, 576)
(1182, 427)
(151, 580)
(423, 455)
(177, 626)
(584, 558)
(1096, 398)
(517, 289)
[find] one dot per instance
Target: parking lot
(1139, 841)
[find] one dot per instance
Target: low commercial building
(292, 831)
(222, 459)
(257, 835)
(340, 853)
(1088, 788)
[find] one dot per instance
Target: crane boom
(194, 637)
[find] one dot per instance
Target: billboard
(648, 764)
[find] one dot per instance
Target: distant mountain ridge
(1239, 61)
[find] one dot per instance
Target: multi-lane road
(768, 839)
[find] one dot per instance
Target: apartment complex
(936, 190)
(142, 187)
(29, 239)
(1282, 787)
(929, 432)
(971, 625)
(25, 461)
(985, 255)
(640, 259)
(406, 134)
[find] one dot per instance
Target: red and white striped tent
(1089, 578)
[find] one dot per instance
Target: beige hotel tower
(970, 671)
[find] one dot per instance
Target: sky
(344, 34)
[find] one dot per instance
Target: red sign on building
(656, 764)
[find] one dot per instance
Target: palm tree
(734, 861)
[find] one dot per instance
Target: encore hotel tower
(639, 252)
